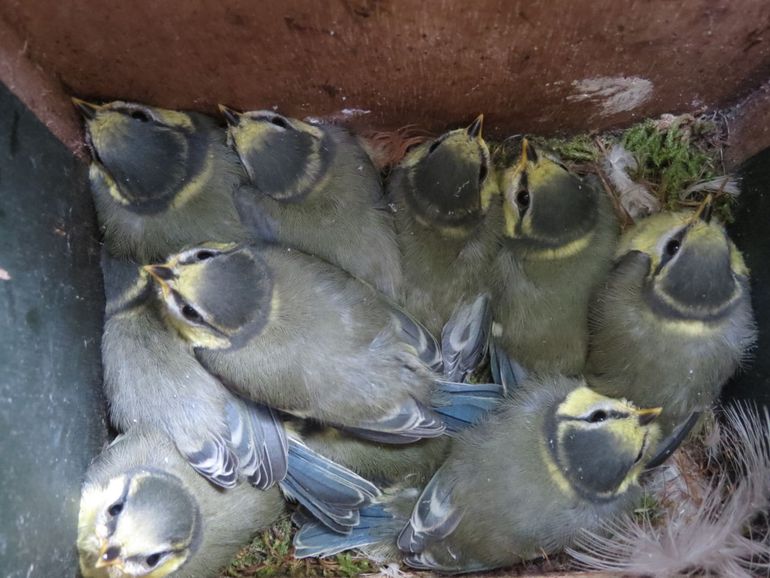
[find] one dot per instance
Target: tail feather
(332, 493)
(376, 526)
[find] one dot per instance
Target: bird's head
(695, 270)
(599, 444)
(449, 180)
(284, 157)
(142, 523)
(549, 211)
(145, 156)
(216, 295)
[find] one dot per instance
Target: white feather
(634, 197)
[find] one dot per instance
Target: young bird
(291, 331)
(144, 512)
(152, 379)
(444, 193)
(462, 350)
(315, 189)
(161, 179)
(565, 459)
(559, 235)
(674, 320)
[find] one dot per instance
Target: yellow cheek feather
(196, 184)
(554, 472)
(174, 118)
(170, 565)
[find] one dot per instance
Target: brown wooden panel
(537, 66)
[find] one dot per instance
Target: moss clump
(671, 156)
(576, 149)
(271, 555)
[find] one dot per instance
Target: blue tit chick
(152, 379)
(314, 188)
(557, 458)
(161, 179)
(674, 319)
(559, 234)
(447, 214)
(291, 331)
(145, 512)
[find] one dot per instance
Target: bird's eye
(203, 255)
(672, 247)
(597, 416)
(279, 121)
(522, 198)
(115, 509)
(140, 115)
(153, 559)
(189, 313)
(483, 172)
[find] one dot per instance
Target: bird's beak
(87, 109)
(108, 556)
(705, 210)
(528, 153)
(232, 117)
(474, 129)
(647, 416)
(162, 276)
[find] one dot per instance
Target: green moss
(576, 149)
(271, 555)
(670, 158)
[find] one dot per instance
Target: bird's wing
(434, 517)
(505, 371)
(404, 424)
(259, 440)
(462, 405)
(465, 338)
(375, 525)
(330, 492)
(212, 458)
(407, 330)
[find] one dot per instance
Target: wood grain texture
(537, 66)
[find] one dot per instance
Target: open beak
(705, 210)
(647, 416)
(87, 109)
(474, 129)
(108, 556)
(162, 275)
(232, 117)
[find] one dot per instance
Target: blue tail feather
(376, 525)
(332, 493)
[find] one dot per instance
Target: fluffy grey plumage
(314, 188)
(708, 533)
(556, 458)
(171, 516)
(560, 233)
(447, 218)
(674, 320)
(152, 379)
(319, 343)
(161, 179)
